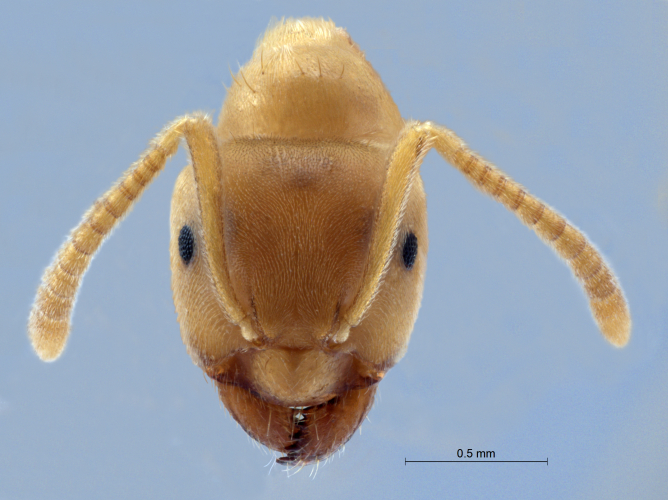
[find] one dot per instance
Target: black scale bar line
(406, 461)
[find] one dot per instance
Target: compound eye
(409, 253)
(187, 244)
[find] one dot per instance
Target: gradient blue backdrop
(568, 97)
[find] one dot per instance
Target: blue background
(569, 98)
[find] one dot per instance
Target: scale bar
(406, 461)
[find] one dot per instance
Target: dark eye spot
(187, 244)
(409, 252)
